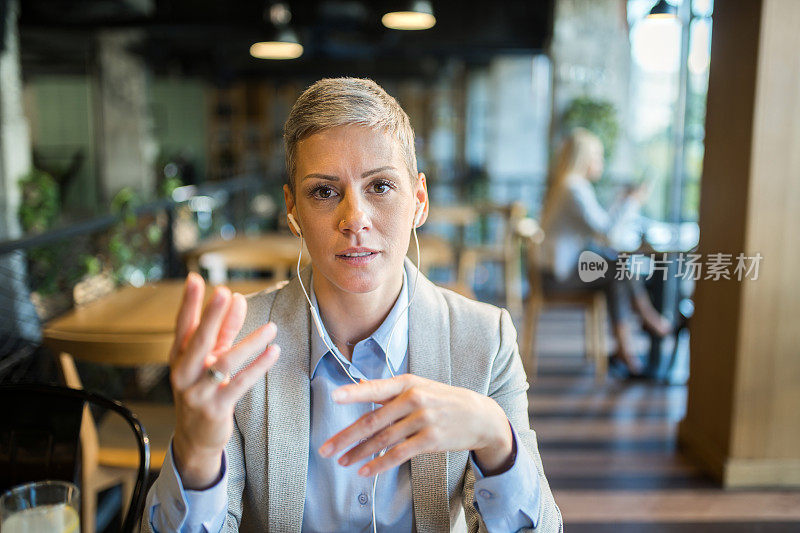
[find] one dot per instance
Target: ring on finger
(217, 376)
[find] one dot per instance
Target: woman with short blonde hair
(395, 405)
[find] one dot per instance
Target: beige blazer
(452, 340)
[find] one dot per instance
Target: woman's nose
(353, 216)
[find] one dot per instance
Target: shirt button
(483, 493)
(363, 499)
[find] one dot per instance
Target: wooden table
(130, 327)
(276, 252)
(656, 238)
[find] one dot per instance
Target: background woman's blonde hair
(333, 102)
(574, 157)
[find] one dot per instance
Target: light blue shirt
(337, 498)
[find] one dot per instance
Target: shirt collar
(399, 340)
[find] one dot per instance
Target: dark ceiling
(211, 38)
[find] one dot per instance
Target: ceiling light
(417, 15)
(284, 46)
(282, 42)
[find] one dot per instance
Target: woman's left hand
(418, 416)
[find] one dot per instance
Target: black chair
(40, 438)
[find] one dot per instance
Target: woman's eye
(323, 192)
(381, 187)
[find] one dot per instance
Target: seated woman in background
(573, 221)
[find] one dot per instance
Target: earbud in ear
(418, 216)
(294, 224)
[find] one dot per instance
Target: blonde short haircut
(333, 102)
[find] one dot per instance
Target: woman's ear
(291, 214)
(288, 198)
(421, 195)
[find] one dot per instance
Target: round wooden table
(131, 326)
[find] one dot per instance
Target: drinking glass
(41, 507)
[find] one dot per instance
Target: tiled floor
(610, 454)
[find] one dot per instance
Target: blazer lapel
(429, 357)
(288, 408)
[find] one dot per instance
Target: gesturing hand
(420, 416)
(204, 407)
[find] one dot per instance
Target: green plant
(124, 204)
(39, 206)
(133, 242)
(49, 266)
(597, 116)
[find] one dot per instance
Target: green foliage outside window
(597, 116)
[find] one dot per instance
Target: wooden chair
(438, 252)
(149, 367)
(593, 303)
(507, 251)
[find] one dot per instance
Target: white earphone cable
(317, 319)
(336, 355)
(386, 354)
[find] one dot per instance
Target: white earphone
(336, 354)
(294, 224)
(418, 216)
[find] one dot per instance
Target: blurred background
(142, 139)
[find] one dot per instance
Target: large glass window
(655, 91)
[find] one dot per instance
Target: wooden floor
(610, 455)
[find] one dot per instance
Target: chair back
(40, 429)
(532, 237)
(39, 436)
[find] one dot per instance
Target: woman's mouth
(357, 257)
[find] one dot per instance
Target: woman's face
(355, 203)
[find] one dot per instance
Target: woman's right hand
(204, 407)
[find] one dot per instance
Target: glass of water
(41, 507)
